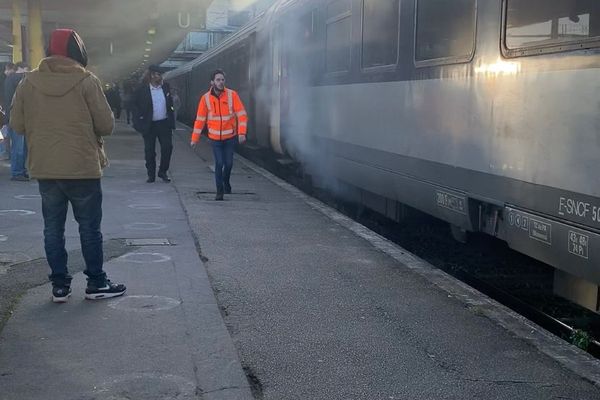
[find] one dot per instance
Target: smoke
(239, 5)
(287, 76)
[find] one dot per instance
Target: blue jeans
(85, 196)
(3, 152)
(223, 154)
(18, 154)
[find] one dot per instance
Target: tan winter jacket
(62, 111)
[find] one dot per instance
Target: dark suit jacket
(143, 110)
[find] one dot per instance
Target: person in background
(18, 148)
(154, 119)
(128, 90)
(113, 96)
(61, 110)
(222, 111)
(9, 69)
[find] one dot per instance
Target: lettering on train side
(577, 208)
(579, 244)
(518, 220)
(540, 230)
(451, 201)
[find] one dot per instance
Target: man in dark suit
(154, 119)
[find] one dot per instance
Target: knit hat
(67, 43)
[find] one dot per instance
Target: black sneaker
(107, 291)
(219, 196)
(227, 188)
(60, 294)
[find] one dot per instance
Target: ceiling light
(151, 31)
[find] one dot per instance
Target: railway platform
(269, 294)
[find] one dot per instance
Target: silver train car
(483, 113)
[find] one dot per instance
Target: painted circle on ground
(145, 258)
(148, 386)
(28, 196)
(145, 206)
(147, 191)
(146, 226)
(144, 303)
(18, 212)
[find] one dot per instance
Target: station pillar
(17, 41)
(35, 33)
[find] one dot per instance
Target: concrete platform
(270, 285)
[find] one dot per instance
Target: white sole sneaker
(106, 295)
(61, 299)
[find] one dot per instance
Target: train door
(276, 89)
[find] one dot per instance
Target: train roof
(256, 24)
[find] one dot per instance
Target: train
(482, 113)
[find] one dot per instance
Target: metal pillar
(35, 34)
(17, 42)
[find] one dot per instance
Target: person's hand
(242, 139)
(193, 144)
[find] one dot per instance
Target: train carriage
(483, 113)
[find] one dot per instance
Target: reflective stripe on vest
(207, 100)
(218, 132)
(223, 118)
(230, 101)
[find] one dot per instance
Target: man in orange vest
(223, 113)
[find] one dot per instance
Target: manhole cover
(148, 242)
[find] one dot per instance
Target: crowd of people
(12, 145)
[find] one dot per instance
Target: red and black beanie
(67, 43)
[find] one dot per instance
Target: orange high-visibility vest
(224, 116)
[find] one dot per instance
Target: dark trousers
(85, 196)
(223, 154)
(162, 131)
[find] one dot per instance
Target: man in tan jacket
(62, 111)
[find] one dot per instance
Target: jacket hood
(67, 43)
(57, 75)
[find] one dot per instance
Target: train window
(380, 33)
(338, 39)
(445, 31)
(551, 24)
